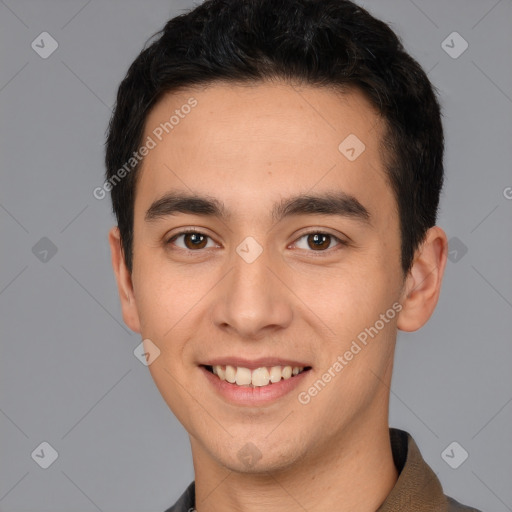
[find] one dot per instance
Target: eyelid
(169, 239)
(341, 242)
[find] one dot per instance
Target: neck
(355, 473)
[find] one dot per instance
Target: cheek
(159, 304)
(354, 300)
(170, 298)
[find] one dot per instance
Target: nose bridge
(250, 272)
(252, 300)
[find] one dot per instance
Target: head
(312, 145)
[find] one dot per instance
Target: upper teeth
(258, 377)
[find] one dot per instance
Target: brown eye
(196, 240)
(192, 240)
(317, 241)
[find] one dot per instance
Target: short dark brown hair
(328, 43)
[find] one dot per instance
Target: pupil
(195, 239)
(319, 238)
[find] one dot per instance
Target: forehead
(244, 141)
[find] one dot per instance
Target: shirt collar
(417, 487)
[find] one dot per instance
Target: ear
(423, 283)
(124, 281)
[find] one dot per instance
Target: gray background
(68, 373)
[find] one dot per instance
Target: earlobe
(124, 281)
(423, 282)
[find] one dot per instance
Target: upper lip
(254, 363)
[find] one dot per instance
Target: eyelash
(341, 242)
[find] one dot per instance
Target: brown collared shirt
(417, 489)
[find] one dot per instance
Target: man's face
(299, 287)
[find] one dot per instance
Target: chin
(257, 455)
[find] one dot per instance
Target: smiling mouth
(266, 375)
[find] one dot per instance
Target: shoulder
(455, 506)
(186, 502)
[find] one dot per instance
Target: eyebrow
(330, 203)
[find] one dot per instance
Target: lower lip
(257, 395)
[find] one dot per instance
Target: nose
(252, 301)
